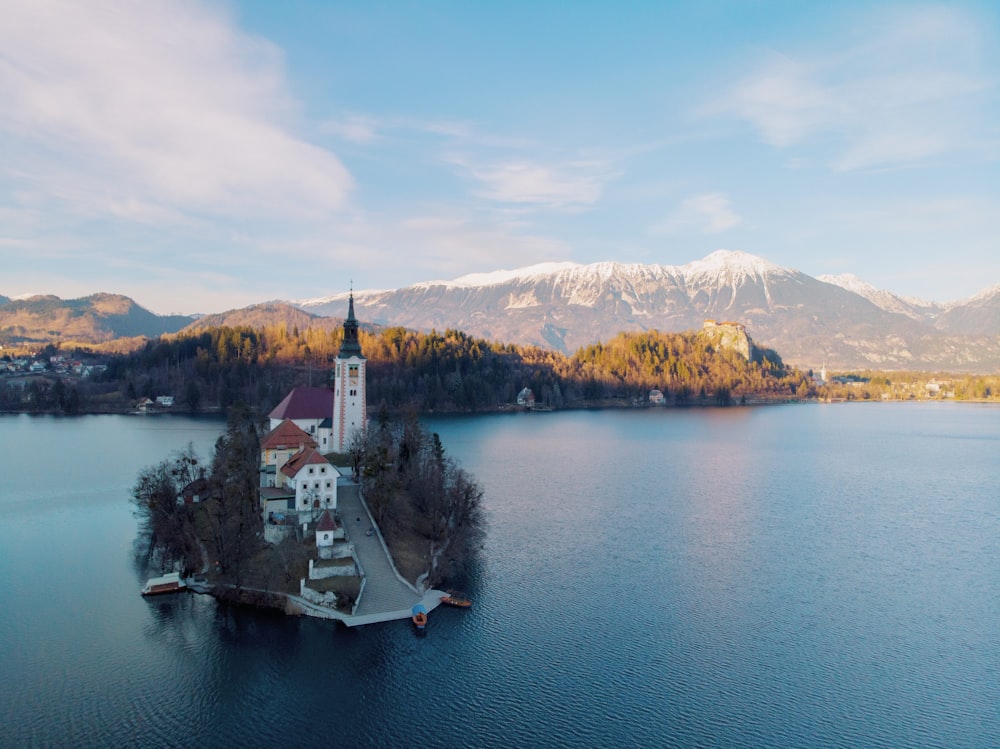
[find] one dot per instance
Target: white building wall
(320, 483)
(350, 410)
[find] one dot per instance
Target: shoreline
(298, 606)
(512, 409)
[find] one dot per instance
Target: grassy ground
(406, 536)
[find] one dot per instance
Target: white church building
(297, 481)
(350, 410)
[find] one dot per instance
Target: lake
(786, 576)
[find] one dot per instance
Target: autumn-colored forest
(453, 372)
(448, 371)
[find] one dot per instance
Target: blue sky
(204, 156)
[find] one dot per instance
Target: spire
(351, 346)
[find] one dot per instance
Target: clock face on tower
(352, 374)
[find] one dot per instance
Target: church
(297, 481)
(332, 416)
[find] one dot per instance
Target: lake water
(789, 576)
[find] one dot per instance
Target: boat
(419, 617)
(168, 583)
(456, 599)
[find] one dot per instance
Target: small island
(318, 512)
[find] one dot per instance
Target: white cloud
(708, 213)
(355, 128)
(573, 185)
(913, 88)
(954, 217)
(152, 109)
(449, 244)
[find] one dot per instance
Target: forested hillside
(451, 372)
(448, 371)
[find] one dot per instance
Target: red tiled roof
(305, 403)
(326, 522)
(286, 434)
(297, 462)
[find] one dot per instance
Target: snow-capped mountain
(837, 321)
(976, 316)
(918, 309)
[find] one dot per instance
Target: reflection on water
(787, 576)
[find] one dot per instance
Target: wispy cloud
(524, 182)
(913, 87)
(354, 128)
(451, 243)
(708, 213)
(150, 110)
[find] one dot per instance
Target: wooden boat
(419, 617)
(169, 583)
(454, 599)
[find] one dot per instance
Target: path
(386, 595)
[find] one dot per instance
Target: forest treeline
(449, 371)
(443, 372)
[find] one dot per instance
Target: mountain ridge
(839, 322)
(809, 321)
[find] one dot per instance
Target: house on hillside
(656, 397)
(526, 398)
(277, 446)
(313, 479)
(306, 485)
(311, 410)
(197, 491)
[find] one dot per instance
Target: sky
(206, 156)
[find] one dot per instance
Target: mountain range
(839, 322)
(95, 319)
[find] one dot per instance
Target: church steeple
(350, 408)
(351, 346)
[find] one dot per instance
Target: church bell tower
(350, 412)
